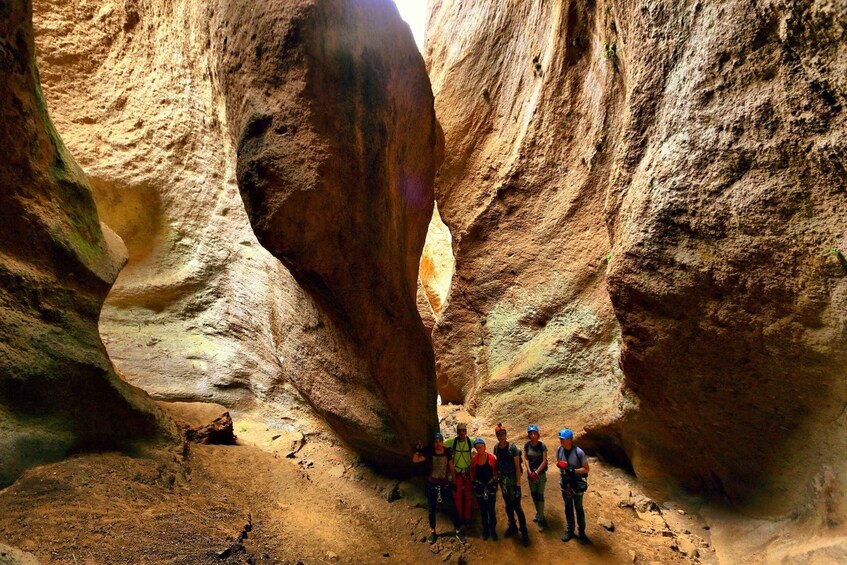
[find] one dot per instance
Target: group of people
(463, 466)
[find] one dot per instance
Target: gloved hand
(533, 476)
(419, 447)
(517, 493)
(562, 465)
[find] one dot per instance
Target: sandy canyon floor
(284, 497)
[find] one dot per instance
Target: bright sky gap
(414, 12)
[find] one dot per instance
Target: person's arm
(543, 466)
(418, 456)
(526, 465)
(584, 469)
(518, 470)
(451, 469)
(496, 467)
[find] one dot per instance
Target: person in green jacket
(462, 448)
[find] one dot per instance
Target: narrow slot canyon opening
(437, 265)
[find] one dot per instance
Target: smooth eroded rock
(58, 389)
(201, 312)
(337, 149)
(325, 112)
(528, 333)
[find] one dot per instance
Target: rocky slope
(58, 389)
(165, 102)
(673, 174)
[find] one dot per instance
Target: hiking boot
(432, 537)
(510, 531)
(525, 538)
(583, 539)
(461, 537)
(485, 535)
(567, 536)
(535, 519)
(494, 535)
(542, 524)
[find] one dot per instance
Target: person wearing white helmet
(573, 468)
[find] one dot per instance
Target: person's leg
(458, 494)
(539, 503)
(482, 503)
(466, 501)
(519, 511)
(533, 490)
(450, 503)
(492, 513)
(431, 503)
(580, 514)
(521, 517)
(569, 516)
(508, 490)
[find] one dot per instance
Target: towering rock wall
(58, 390)
(681, 165)
(324, 110)
(528, 333)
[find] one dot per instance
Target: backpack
(468, 439)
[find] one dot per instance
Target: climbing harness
(484, 490)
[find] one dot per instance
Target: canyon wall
(58, 389)
(171, 107)
(660, 188)
(528, 333)
(201, 311)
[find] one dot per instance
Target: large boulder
(58, 389)
(337, 146)
(672, 174)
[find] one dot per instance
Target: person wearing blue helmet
(439, 482)
(573, 468)
(484, 478)
(536, 472)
